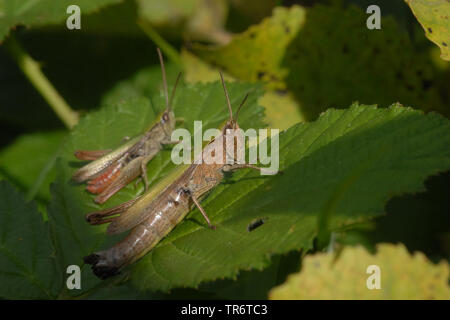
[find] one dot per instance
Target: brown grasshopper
(110, 171)
(151, 217)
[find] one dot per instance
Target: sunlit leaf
(257, 53)
(434, 16)
(402, 276)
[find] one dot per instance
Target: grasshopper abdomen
(143, 237)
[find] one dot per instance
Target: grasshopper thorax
(234, 143)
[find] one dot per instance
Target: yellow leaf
(402, 276)
(257, 53)
(434, 16)
(282, 111)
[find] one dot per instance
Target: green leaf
(343, 167)
(32, 13)
(402, 276)
(106, 129)
(27, 265)
(29, 161)
(434, 17)
(338, 170)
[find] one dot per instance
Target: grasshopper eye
(165, 117)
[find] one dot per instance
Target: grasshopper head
(230, 125)
(234, 136)
(168, 121)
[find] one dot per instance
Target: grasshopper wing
(143, 208)
(95, 167)
(126, 175)
(98, 217)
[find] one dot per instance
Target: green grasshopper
(153, 215)
(110, 171)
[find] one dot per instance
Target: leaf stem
(166, 47)
(42, 175)
(33, 72)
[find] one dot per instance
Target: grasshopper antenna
(161, 61)
(239, 109)
(173, 91)
(226, 95)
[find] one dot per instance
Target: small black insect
(255, 224)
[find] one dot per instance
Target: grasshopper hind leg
(90, 154)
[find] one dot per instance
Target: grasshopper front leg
(203, 212)
(228, 168)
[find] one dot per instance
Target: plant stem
(166, 47)
(33, 72)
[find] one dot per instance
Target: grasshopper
(110, 171)
(152, 216)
